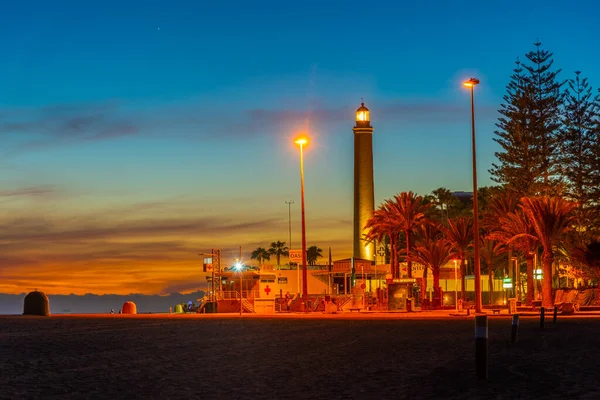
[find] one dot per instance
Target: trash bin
(409, 305)
(512, 306)
(211, 307)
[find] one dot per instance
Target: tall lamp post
(289, 203)
(301, 142)
(239, 266)
(471, 85)
(455, 285)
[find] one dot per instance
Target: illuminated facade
(364, 197)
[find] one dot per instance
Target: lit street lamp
(289, 203)
(239, 268)
(471, 85)
(302, 142)
(455, 285)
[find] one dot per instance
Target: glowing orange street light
(477, 267)
(302, 142)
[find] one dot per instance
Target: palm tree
(501, 202)
(552, 218)
(459, 233)
(443, 199)
(260, 254)
(313, 253)
(588, 255)
(489, 250)
(380, 225)
(408, 211)
(516, 231)
(432, 251)
(278, 249)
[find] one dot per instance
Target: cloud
(32, 129)
(30, 191)
(44, 230)
(64, 124)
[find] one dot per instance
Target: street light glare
(471, 82)
(238, 266)
(301, 141)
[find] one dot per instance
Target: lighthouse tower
(364, 197)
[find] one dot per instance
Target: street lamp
(471, 85)
(289, 203)
(455, 284)
(301, 142)
(239, 267)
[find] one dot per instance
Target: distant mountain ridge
(93, 303)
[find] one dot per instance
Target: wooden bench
(496, 310)
(355, 309)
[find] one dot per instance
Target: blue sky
(178, 118)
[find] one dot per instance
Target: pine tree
(595, 167)
(578, 137)
(542, 83)
(517, 167)
(529, 128)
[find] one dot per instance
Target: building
(364, 195)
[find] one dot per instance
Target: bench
(566, 308)
(355, 309)
(496, 310)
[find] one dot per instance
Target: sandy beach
(355, 356)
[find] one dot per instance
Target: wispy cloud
(64, 124)
(59, 125)
(30, 191)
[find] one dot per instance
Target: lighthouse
(364, 196)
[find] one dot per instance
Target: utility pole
(289, 203)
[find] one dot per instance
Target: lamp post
(455, 285)
(239, 267)
(301, 142)
(477, 267)
(289, 203)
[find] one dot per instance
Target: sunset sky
(136, 134)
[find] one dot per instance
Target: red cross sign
(267, 290)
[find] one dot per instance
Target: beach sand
(292, 357)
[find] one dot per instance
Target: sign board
(208, 264)
(507, 283)
(363, 286)
(296, 256)
(401, 280)
(512, 306)
(282, 280)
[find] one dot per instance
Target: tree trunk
(436, 287)
(491, 283)
(408, 262)
(463, 270)
(393, 256)
(547, 261)
(423, 285)
(395, 266)
(530, 282)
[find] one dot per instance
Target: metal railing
(228, 295)
(235, 295)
